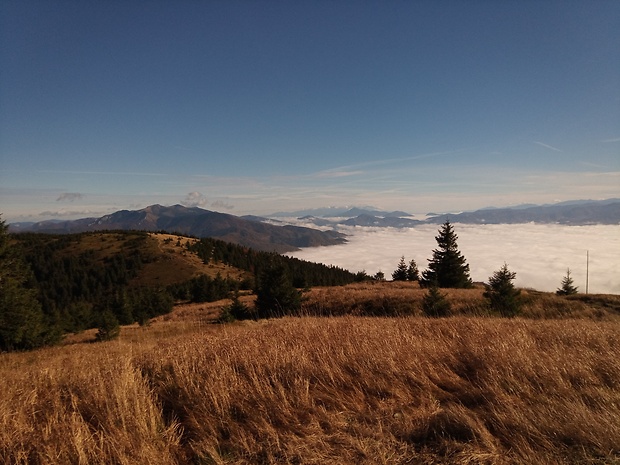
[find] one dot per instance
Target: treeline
(67, 272)
(303, 273)
(83, 280)
(203, 288)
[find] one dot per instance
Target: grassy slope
(171, 262)
(326, 390)
(175, 264)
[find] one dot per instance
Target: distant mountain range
(578, 212)
(568, 213)
(339, 212)
(262, 234)
(249, 232)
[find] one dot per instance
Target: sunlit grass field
(468, 389)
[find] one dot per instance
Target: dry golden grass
(405, 298)
(175, 264)
(346, 390)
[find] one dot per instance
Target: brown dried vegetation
(343, 390)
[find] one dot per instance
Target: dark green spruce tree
(412, 271)
(567, 285)
(502, 294)
(275, 294)
(22, 323)
(448, 267)
(435, 304)
(400, 273)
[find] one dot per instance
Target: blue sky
(264, 106)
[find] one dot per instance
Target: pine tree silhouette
(448, 267)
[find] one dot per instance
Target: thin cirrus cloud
(547, 146)
(69, 214)
(336, 173)
(356, 168)
(539, 254)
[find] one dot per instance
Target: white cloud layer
(539, 254)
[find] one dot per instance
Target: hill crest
(195, 222)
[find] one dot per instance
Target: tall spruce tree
(448, 267)
(22, 324)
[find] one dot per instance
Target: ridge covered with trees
(57, 284)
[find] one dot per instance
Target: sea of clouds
(539, 254)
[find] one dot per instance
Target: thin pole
(587, 269)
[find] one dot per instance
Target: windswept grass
(322, 391)
(405, 298)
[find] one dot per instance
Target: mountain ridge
(273, 235)
(575, 212)
(197, 222)
(567, 213)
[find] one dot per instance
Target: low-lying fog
(539, 254)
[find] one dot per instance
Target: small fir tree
(448, 267)
(108, 327)
(412, 271)
(400, 273)
(567, 285)
(501, 293)
(237, 310)
(435, 304)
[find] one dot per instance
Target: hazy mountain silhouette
(577, 212)
(195, 222)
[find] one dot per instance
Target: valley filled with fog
(538, 253)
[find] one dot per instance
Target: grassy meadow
(469, 389)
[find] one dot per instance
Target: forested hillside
(89, 280)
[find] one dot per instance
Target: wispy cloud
(195, 199)
(69, 197)
(547, 146)
(355, 169)
(607, 141)
(591, 165)
(198, 199)
(336, 173)
(106, 173)
(223, 205)
(62, 213)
